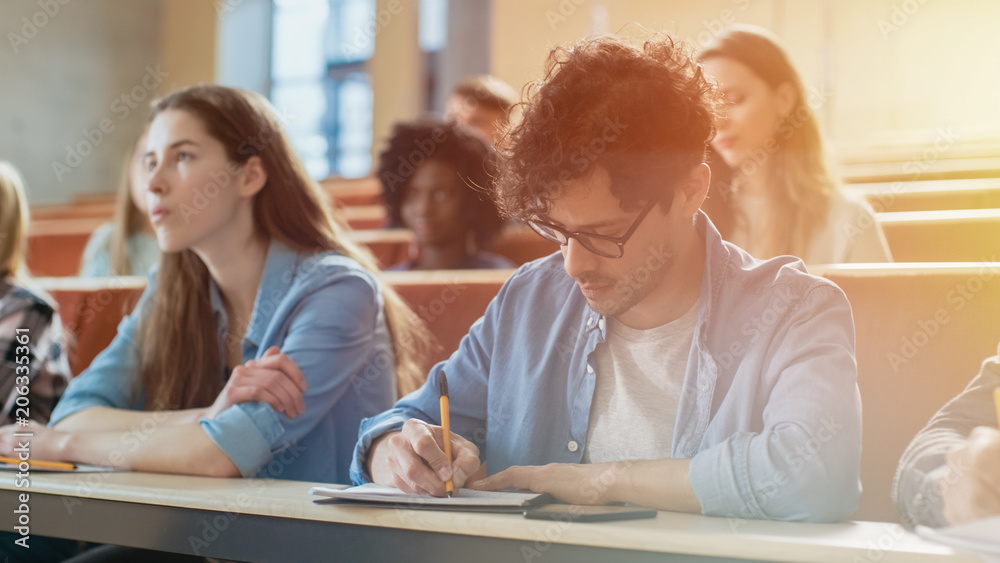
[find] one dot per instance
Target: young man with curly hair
(649, 361)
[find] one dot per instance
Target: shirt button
(590, 321)
(573, 446)
(600, 323)
(590, 369)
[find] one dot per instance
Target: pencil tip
(450, 494)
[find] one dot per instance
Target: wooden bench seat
(932, 195)
(966, 235)
(941, 169)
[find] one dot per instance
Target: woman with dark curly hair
(437, 180)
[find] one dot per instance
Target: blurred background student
(782, 199)
(483, 104)
(30, 327)
(950, 472)
(126, 246)
(436, 180)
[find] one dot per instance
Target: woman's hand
(273, 379)
(44, 444)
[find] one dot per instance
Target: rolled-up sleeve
(331, 338)
(805, 463)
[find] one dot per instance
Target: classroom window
(319, 80)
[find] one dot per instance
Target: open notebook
(981, 537)
(466, 499)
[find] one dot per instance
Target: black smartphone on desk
(589, 513)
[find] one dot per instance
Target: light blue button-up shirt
(326, 313)
(769, 412)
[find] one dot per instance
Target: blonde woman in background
(782, 199)
(126, 246)
(30, 327)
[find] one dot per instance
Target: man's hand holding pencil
(413, 460)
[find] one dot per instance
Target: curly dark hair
(474, 161)
(643, 114)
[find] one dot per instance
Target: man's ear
(253, 177)
(693, 189)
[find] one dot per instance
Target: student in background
(436, 181)
(126, 246)
(30, 329)
(950, 473)
(264, 335)
(34, 358)
(481, 103)
(634, 365)
(782, 200)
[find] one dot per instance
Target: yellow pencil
(449, 486)
(39, 464)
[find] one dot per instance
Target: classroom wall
(66, 78)
(396, 68)
(189, 40)
(884, 69)
(79, 78)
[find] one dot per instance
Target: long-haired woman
(782, 199)
(264, 336)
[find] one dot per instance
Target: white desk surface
(669, 532)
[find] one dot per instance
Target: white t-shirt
(851, 232)
(639, 375)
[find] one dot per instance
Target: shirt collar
(279, 272)
(716, 263)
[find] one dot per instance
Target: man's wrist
(619, 487)
(370, 462)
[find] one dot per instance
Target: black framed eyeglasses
(601, 245)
